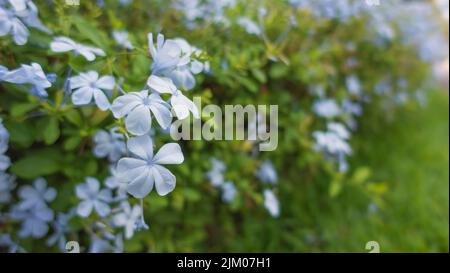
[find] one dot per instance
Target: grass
(410, 154)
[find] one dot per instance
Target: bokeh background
(389, 58)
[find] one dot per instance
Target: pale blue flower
(138, 107)
(121, 38)
(4, 138)
(215, 175)
(93, 198)
(89, 86)
(128, 218)
(60, 229)
(64, 44)
(167, 54)
(28, 13)
(113, 183)
(5, 162)
(29, 74)
(267, 173)
(7, 242)
(250, 26)
(35, 221)
(326, 108)
(353, 108)
(331, 143)
(11, 24)
(36, 195)
(353, 85)
(144, 169)
(109, 144)
(228, 191)
(339, 129)
(180, 103)
(271, 203)
(7, 184)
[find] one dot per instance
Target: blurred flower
(128, 218)
(29, 74)
(228, 191)
(93, 198)
(267, 173)
(88, 85)
(4, 138)
(326, 108)
(113, 183)
(5, 162)
(138, 106)
(144, 170)
(60, 229)
(353, 85)
(180, 103)
(121, 38)
(37, 195)
(10, 24)
(35, 220)
(271, 203)
(249, 26)
(109, 144)
(215, 175)
(338, 129)
(64, 44)
(7, 184)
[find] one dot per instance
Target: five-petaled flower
(88, 85)
(137, 107)
(64, 44)
(93, 198)
(144, 169)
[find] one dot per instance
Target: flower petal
(141, 146)
(138, 121)
(82, 96)
(142, 185)
(165, 181)
(84, 208)
(169, 154)
(161, 84)
(101, 100)
(106, 82)
(124, 104)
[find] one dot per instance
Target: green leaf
(20, 133)
(20, 109)
(39, 163)
(50, 130)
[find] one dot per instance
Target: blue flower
(10, 24)
(89, 86)
(128, 218)
(121, 38)
(249, 26)
(353, 85)
(35, 221)
(228, 191)
(93, 198)
(271, 203)
(35, 196)
(7, 184)
(180, 103)
(267, 173)
(61, 228)
(326, 108)
(215, 175)
(144, 169)
(109, 144)
(64, 44)
(29, 74)
(167, 54)
(137, 107)
(113, 183)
